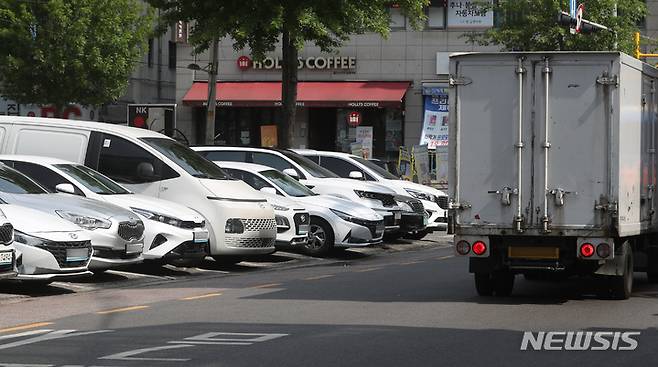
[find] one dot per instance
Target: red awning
(309, 94)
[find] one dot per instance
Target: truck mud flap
(616, 265)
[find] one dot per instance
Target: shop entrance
(322, 128)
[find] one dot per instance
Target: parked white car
(320, 180)
(240, 221)
(8, 254)
(116, 233)
(347, 165)
(292, 221)
(49, 248)
(335, 222)
(173, 233)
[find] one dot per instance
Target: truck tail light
(586, 250)
(479, 248)
(463, 247)
(603, 250)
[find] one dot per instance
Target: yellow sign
(268, 136)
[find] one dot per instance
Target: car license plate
(397, 215)
(134, 248)
(533, 253)
(6, 257)
(77, 254)
(303, 228)
(200, 236)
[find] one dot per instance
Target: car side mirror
(268, 190)
(357, 175)
(145, 170)
(292, 173)
(65, 188)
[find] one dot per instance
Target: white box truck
(553, 167)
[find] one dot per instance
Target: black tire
(417, 236)
(484, 284)
(652, 276)
(621, 286)
(227, 259)
(499, 284)
(321, 238)
(503, 284)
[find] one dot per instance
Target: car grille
(253, 225)
(442, 202)
(58, 250)
(416, 206)
(6, 233)
(131, 231)
(376, 227)
(302, 219)
(390, 220)
(253, 242)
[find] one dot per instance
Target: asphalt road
(381, 307)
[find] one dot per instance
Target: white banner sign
(469, 14)
(364, 137)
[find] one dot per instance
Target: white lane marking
(58, 334)
(209, 343)
(72, 285)
(234, 337)
(141, 275)
(26, 333)
(128, 356)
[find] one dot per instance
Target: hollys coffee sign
(307, 63)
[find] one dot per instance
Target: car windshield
(187, 159)
(313, 168)
(14, 182)
(93, 180)
(289, 185)
(377, 169)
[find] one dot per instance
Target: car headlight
(158, 217)
(421, 195)
(282, 223)
(366, 194)
(84, 221)
(234, 225)
(280, 208)
(344, 216)
(29, 240)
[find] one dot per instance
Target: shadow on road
(19, 288)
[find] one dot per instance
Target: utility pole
(212, 93)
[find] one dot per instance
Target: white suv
(350, 166)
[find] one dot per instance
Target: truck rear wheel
(498, 283)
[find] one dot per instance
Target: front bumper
(364, 233)
(438, 217)
(55, 276)
(174, 245)
(413, 222)
(39, 263)
(110, 250)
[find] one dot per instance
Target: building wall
(406, 55)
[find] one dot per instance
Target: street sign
(579, 18)
(354, 119)
(156, 117)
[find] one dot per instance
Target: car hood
(75, 204)
(346, 206)
(279, 200)
(156, 205)
(231, 189)
(414, 186)
(339, 186)
(33, 221)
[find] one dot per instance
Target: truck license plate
(6, 257)
(77, 254)
(533, 253)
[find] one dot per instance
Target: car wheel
(321, 238)
(417, 235)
